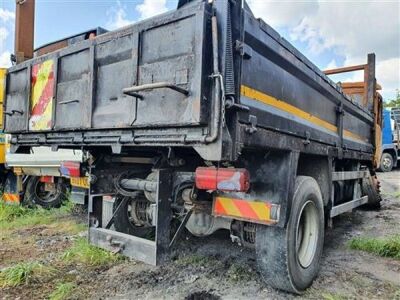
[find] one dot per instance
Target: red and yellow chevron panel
(42, 95)
(11, 198)
(246, 210)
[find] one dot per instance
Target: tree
(394, 102)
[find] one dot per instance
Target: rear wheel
(386, 164)
(47, 195)
(288, 258)
(371, 188)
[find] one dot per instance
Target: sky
(330, 33)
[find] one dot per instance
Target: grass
(62, 291)
(14, 217)
(385, 247)
(83, 252)
(329, 296)
(394, 195)
(23, 273)
(239, 273)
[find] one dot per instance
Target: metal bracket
(180, 228)
(149, 251)
(253, 123)
(339, 209)
(244, 50)
(236, 106)
(307, 140)
(111, 221)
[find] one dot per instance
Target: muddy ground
(213, 267)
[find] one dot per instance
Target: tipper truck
(205, 118)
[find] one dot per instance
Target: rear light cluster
(222, 179)
(70, 169)
(47, 179)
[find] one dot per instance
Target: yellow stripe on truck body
(286, 107)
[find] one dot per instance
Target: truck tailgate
(82, 86)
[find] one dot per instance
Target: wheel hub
(307, 234)
(386, 162)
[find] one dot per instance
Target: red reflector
(70, 168)
(222, 179)
(47, 179)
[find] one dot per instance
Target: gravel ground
(213, 267)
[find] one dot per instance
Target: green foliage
(17, 216)
(23, 273)
(10, 212)
(329, 296)
(240, 273)
(393, 102)
(62, 291)
(387, 247)
(83, 252)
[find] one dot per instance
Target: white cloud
(5, 59)
(282, 13)
(117, 17)
(388, 75)
(6, 15)
(150, 8)
(3, 36)
(6, 29)
(353, 28)
(350, 29)
(331, 65)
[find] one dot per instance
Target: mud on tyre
(289, 258)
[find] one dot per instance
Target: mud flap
(153, 251)
(12, 189)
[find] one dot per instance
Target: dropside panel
(73, 91)
(116, 69)
(16, 100)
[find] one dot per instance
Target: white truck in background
(39, 173)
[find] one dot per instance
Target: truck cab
(390, 140)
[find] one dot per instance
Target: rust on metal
(24, 29)
(345, 69)
(51, 48)
(365, 93)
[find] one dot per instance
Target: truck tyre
(370, 187)
(35, 193)
(123, 220)
(289, 258)
(386, 164)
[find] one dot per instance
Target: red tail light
(47, 179)
(70, 169)
(222, 179)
